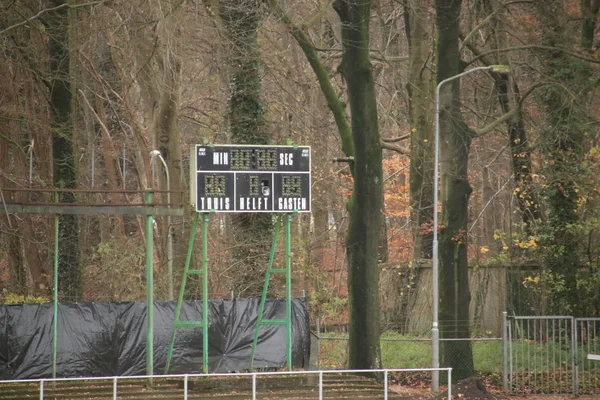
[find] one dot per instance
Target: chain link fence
(547, 355)
(329, 350)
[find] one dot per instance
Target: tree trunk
(64, 165)
(589, 14)
(562, 146)
(367, 200)
(420, 93)
(455, 191)
(509, 96)
(251, 231)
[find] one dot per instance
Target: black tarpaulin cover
(107, 339)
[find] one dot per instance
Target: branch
(317, 16)
(396, 139)
(488, 18)
(488, 203)
(493, 125)
(486, 129)
(397, 149)
(96, 116)
(534, 46)
(13, 142)
(337, 107)
(45, 10)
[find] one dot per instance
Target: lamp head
(500, 69)
(154, 153)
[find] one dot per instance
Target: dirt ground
(469, 389)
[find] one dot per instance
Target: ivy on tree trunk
(252, 232)
(63, 153)
(563, 149)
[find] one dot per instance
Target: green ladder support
(287, 322)
(177, 323)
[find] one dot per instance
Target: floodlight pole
(149, 290)
(435, 332)
(153, 154)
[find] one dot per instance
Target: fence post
(253, 386)
(115, 388)
(318, 342)
(574, 363)
(385, 385)
(504, 352)
(41, 389)
(185, 387)
(320, 385)
(449, 383)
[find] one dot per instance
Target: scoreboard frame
(250, 178)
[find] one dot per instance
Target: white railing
(253, 375)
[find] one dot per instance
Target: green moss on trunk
(251, 232)
(63, 153)
(455, 191)
(367, 202)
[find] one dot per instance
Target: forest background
(89, 88)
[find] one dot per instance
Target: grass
(399, 351)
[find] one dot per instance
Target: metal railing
(253, 375)
(549, 355)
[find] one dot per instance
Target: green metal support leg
(149, 290)
(205, 293)
(55, 295)
(177, 323)
(287, 322)
(288, 289)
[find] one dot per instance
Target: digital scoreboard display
(247, 178)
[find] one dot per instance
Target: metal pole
(320, 385)
(185, 387)
(450, 384)
(149, 290)
(205, 292)
(55, 294)
(124, 171)
(288, 290)
(318, 342)
(156, 153)
(385, 385)
(574, 366)
(435, 333)
(31, 163)
(504, 352)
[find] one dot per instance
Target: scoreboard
(250, 178)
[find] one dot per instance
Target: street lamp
(153, 155)
(435, 332)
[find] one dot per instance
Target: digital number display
(254, 185)
(214, 185)
(291, 186)
(250, 179)
(266, 159)
(241, 159)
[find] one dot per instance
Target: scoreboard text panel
(240, 178)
